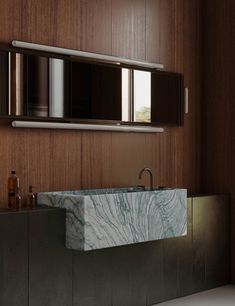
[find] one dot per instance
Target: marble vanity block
(104, 218)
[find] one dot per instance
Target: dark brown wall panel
(211, 241)
(218, 116)
(96, 160)
(66, 23)
(128, 28)
(160, 31)
(192, 75)
(185, 256)
(165, 31)
(96, 30)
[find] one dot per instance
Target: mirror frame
(180, 110)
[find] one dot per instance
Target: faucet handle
(141, 186)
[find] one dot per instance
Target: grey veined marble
(103, 218)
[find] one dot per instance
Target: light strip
(186, 97)
(95, 127)
(88, 55)
(9, 84)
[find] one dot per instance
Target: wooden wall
(166, 31)
(218, 104)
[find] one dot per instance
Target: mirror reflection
(39, 86)
(142, 96)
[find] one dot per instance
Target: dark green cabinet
(13, 259)
(37, 270)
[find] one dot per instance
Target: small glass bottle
(13, 184)
(18, 199)
(31, 199)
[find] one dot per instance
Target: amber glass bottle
(13, 185)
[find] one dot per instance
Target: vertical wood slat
(96, 30)
(192, 44)
(131, 272)
(185, 256)
(92, 278)
(231, 108)
(128, 28)
(96, 160)
(218, 104)
(211, 242)
(13, 259)
(199, 252)
(50, 263)
(217, 250)
(160, 32)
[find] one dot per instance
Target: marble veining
(105, 218)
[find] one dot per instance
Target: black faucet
(150, 173)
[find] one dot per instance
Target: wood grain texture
(185, 256)
(96, 30)
(50, 263)
(91, 274)
(96, 159)
(14, 249)
(38, 20)
(218, 114)
(160, 32)
(138, 274)
(66, 23)
(128, 28)
(149, 30)
(210, 238)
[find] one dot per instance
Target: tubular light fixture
(186, 100)
(89, 55)
(78, 126)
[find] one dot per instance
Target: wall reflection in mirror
(39, 86)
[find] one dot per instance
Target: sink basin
(101, 218)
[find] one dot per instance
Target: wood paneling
(13, 260)
(128, 28)
(96, 29)
(217, 119)
(50, 263)
(66, 23)
(185, 256)
(211, 241)
(218, 155)
(48, 160)
(165, 31)
(37, 20)
(161, 32)
(96, 160)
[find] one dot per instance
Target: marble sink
(103, 218)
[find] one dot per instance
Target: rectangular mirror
(40, 86)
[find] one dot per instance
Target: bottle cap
(13, 172)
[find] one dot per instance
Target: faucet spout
(146, 169)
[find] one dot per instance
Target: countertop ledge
(32, 210)
(46, 208)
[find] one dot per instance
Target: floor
(222, 296)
